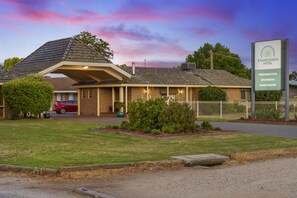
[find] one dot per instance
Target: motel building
(100, 84)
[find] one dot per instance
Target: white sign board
(268, 64)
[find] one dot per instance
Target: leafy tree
(29, 94)
(223, 59)
(11, 62)
(293, 75)
(212, 94)
(98, 44)
(268, 95)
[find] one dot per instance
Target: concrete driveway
(259, 129)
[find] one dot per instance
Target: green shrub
(217, 129)
(268, 95)
(29, 94)
(180, 117)
(112, 126)
(125, 125)
(273, 114)
(206, 125)
(144, 115)
(168, 128)
(212, 94)
(147, 130)
(156, 132)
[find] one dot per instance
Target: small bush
(112, 126)
(125, 125)
(143, 115)
(29, 94)
(206, 125)
(212, 94)
(147, 130)
(217, 129)
(156, 132)
(168, 129)
(180, 117)
(273, 114)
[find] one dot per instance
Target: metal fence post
(246, 109)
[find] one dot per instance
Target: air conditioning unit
(188, 66)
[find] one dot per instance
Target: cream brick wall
(88, 105)
(105, 100)
(233, 94)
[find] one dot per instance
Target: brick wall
(233, 94)
(88, 101)
(105, 100)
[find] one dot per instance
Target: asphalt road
(270, 178)
(259, 129)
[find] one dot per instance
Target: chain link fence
(231, 110)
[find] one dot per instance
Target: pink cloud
(137, 11)
(37, 11)
(209, 12)
(204, 32)
(253, 34)
(137, 33)
(150, 51)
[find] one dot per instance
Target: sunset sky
(163, 32)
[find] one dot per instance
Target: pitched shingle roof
(51, 53)
(173, 76)
(61, 84)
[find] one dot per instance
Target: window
(84, 94)
(90, 94)
(172, 97)
(245, 94)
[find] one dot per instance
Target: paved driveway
(259, 129)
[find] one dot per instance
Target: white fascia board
(55, 67)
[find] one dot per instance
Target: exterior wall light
(180, 91)
(85, 67)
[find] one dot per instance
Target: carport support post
(78, 101)
(167, 94)
(112, 99)
(98, 101)
(126, 99)
(122, 98)
(187, 94)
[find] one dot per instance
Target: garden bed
(163, 135)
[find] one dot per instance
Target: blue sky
(163, 32)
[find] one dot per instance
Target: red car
(62, 107)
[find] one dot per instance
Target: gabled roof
(173, 76)
(61, 84)
(68, 49)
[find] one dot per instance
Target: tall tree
(11, 62)
(98, 44)
(223, 59)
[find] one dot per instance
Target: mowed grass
(53, 144)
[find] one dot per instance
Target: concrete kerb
(48, 171)
(26, 169)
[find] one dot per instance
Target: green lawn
(52, 144)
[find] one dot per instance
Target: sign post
(270, 69)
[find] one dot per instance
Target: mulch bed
(267, 121)
(163, 135)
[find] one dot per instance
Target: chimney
(133, 68)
